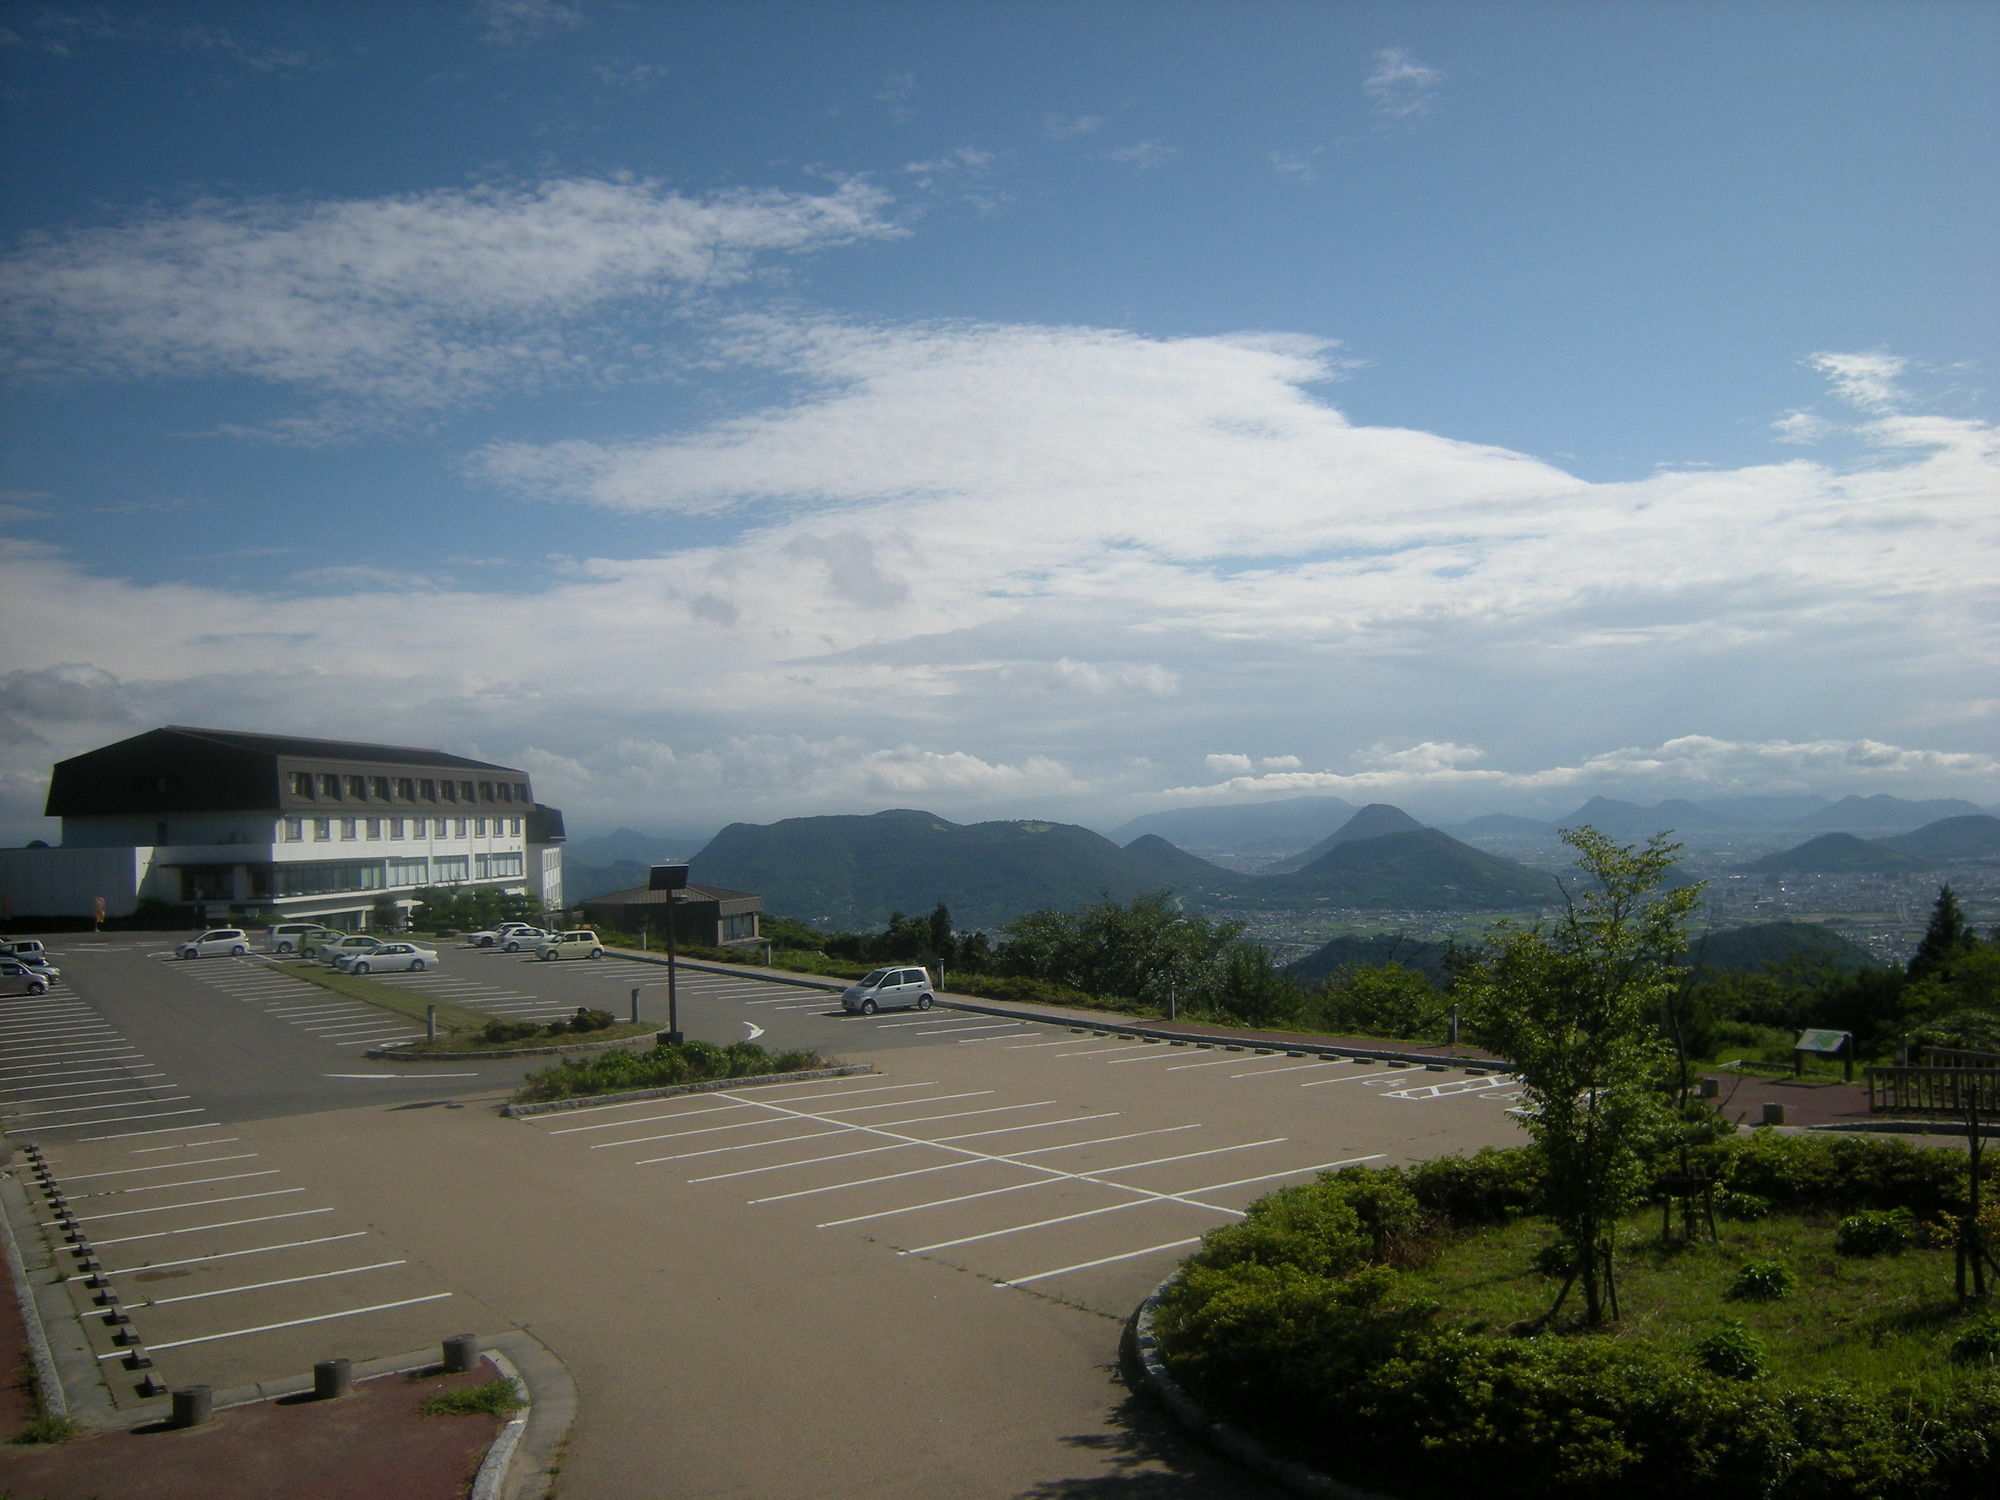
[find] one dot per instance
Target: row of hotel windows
(293, 830)
(217, 882)
(326, 786)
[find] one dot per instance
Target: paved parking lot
(743, 1283)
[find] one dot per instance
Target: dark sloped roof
(642, 896)
(285, 744)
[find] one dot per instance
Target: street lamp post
(673, 880)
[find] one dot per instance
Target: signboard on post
(1838, 1044)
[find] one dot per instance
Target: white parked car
(38, 963)
(902, 986)
(231, 940)
(20, 947)
(388, 959)
(493, 937)
(525, 937)
(297, 937)
(579, 944)
(347, 947)
(326, 938)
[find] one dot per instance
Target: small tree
(1574, 1005)
(1947, 937)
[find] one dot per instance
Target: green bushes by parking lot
(688, 1062)
(1380, 1324)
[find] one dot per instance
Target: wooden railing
(1934, 1091)
(1956, 1057)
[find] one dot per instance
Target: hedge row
(689, 1062)
(1298, 1323)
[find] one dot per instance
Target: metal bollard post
(635, 1007)
(193, 1405)
(332, 1378)
(461, 1353)
(430, 1016)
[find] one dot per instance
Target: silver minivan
(900, 986)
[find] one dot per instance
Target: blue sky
(742, 410)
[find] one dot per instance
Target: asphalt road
(909, 1282)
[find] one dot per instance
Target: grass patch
(46, 1428)
(657, 1067)
(496, 1398)
(474, 1042)
(1878, 1320)
(386, 997)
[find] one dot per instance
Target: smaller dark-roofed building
(703, 914)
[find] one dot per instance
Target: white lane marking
(836, 1187)
(1154, 1055)
(1021, 1187)
(160, 1234)
(1292, 1068)
(973, 1041)
(196, 1260)
(387, 1036)
(1213, 1062)
(669, 1135)
(683, 1114)
(167, 1208)
(1086, 1265)
(82, 1109)
(237, 1333)
(77, 1073)
(227, 1140)
(126, 1135)
(94, 1093)
(154, 1187)
(1320, 1083)
(398, 1075)
(674, 1135)
(756, 1146)
(1451, 1089)
(258, 1286)
(729, 1099)
(169, 1166)
(1102, 1051)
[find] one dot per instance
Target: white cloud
(510, 23)
(1801, 427)
(1226, 764)
(1145, 155)
(1279, 763)
(1867, 382)
(403, 304)
(1298, 165)
(1401, 88)
(1068, 127)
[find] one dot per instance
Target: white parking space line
(156, 1130)
(1320, 1083)
(674, 1135)
(259, 1286)
(73, 1073)
(93, 1094)
(973, 1041)
(197, 1260)
(155, 1187)
(1291, 1068)
(1453, 1088)
(1213, 1062)
(161, 1234)
(30, 1114)
(167, 1208)
(166, 1166)
(237, 1333)
(653, 1161)
(973, 1160)
(1154, 1054)
(227, 1140)
(1101, 1051)
(1091, 1265)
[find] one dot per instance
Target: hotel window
(479, 828)
(462, 826)
(347, 828)
(292, 830)
(374, 828)
(449, 790)
(506, 790)
(323, 829)
(452, 867)
(428, 790)
(521, 791)
(419, 828)
(514, 827)
(302, 784)
(378, 788)
(357, 788)
(465, 792)
(395, 828)
(485, 791)
(406, 789)
(409, 871)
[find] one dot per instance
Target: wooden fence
(1933, 1091)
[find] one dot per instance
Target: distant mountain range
(1630, 820)
(852, 872)
(1974, 836)
(1280, 827)
(1373, 821)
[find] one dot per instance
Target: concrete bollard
(461, 1353)
(635, 1007)
(430, 1014)
(1774, 1114)
(332, 1378)
(193, 1405)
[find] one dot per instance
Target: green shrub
(1978, 1343)
(618, 1070)
(1881, 1231)
(509, 1031)
(1556, 1259)
(1732, 1351)
(1742, 1207)
(1763, 1281)
(45, 1427)
(1490, 1187)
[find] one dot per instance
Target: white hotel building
(280, 827)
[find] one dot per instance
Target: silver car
(907, 985)
(231, 940)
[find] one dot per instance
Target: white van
(900, 986)
(292, 937)
(231, 940)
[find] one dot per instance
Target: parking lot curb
(1232, 1442)
(666, 1090)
